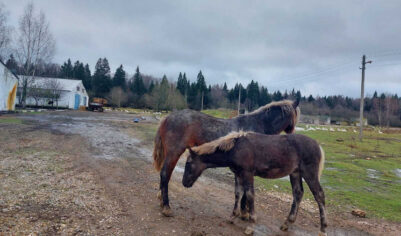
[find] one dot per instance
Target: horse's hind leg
(318, 193)
(238, 191)
(297, 193)
(165, 175)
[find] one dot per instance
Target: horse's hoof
(159, 195)
(284, 227)
(167, 211)
(322, 233)
(245, 216)
(253, 218)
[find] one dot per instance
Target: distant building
(64, 93)
(316, 120)
(8, 88)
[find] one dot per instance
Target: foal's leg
(238, 191)
(170, 162)
(297, 193)
(318, 193)
(248, 197)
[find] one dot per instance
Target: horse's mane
(286, 107)
(285, 104)
(225, 144)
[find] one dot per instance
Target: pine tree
(78, 71)
(67, 69)
(182, 84)
(101, 82)
(252, 94)
(151, 86)
(277, 96)
(87, 81)
(138, 87)
(264, 97)
(225, 87)
(119, 79)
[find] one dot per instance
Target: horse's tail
(321, 163)
(158, 150)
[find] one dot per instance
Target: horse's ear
(295, 103)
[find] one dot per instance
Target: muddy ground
(83, 173)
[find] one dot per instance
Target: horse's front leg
(238, 191)
(165, 175)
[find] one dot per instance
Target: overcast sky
(315, 46)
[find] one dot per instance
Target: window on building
(77, 88)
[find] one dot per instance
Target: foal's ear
(191, 151)
(295, 103)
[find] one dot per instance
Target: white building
(72, 93)
(8, 88)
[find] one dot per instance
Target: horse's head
(193, 169)
(280, 116)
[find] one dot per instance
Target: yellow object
(11, 98)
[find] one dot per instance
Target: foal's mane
(225, 144)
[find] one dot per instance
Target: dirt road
(82, 173)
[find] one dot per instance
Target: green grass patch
(221, 113)
(10, 120)
(357, 174)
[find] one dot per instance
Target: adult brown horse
(188, 128)
(268, 156)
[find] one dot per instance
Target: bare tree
(35, 44)
(53, 89)
(36, 92)
(117, 96)
(5, 32)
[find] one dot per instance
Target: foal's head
(279, 116)
(193, 169)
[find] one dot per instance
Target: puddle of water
(331, 168)
(397, 172)
(373, 174)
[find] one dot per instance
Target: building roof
(65, 84)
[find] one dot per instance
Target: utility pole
(202, 102)
(239, 98)
(364, 62)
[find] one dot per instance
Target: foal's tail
(321, 163)
(158, 151)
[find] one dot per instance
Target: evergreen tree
(119, 79)
(277, 96)
(67, 70)
(101, 82)
(87, 81)
(182, 84)
(310, 98)
(252, 94)
(225, 87)
(151, 87)
(264, 97)
(138, 87)
(78, 71)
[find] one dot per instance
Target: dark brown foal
(267, 156)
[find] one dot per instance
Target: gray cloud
(314, 46)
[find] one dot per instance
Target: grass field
(365, 175)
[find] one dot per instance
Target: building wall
(67, 98)
(8, 89)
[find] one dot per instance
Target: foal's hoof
(167, 211)
(236, 213)
(245, 216)
(284, 227)
(322, 233)
(253, 218)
